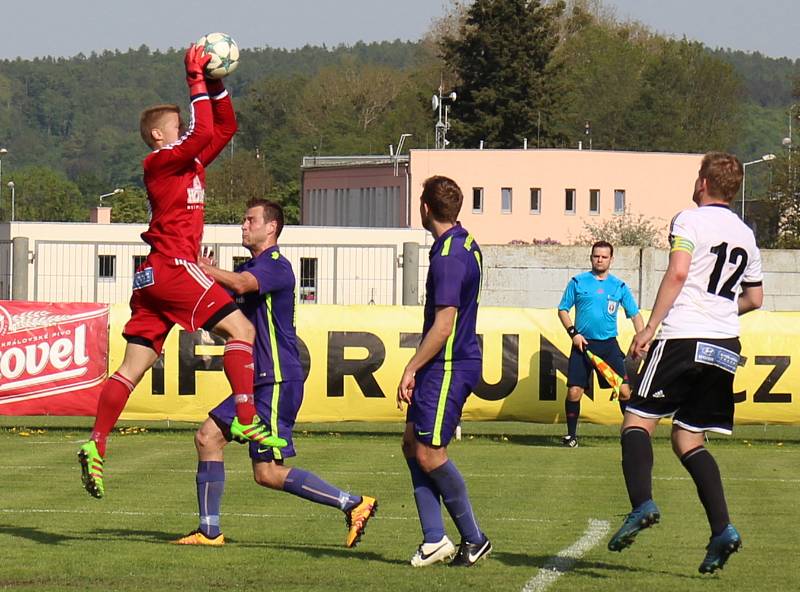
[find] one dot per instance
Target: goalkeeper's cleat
(643, 516)
(720, 548)
(257, 432)
(357, 518)
(196, 537)
(91, 469)
(469, 554)
(430, 553)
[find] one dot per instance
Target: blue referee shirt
(596, 303)
(271, 310)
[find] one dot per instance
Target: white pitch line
(566, 558)
(304, 516)
(121, 470)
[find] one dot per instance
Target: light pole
(3, 152)
(109, 194)
(765, 158)
(13, 196)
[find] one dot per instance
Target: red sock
(113, 397)
(238, 364)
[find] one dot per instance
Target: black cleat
(720, 548)
(569, 441)
(643, 516)
(469, 554)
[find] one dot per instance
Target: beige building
(509, 194)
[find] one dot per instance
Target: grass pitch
(532, 497)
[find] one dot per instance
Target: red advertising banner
(53, 357)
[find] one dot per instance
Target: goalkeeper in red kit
(169, 288)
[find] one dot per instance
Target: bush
(627, 230)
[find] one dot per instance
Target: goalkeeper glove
(195, 62)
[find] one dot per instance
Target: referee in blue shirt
(596, 296)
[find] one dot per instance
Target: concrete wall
(535, 276)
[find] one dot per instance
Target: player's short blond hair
(152, 118)
(723, 173)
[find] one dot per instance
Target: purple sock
(429, 506)
(308, 486)
(454, 494)
(210, 485)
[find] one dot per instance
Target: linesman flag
(612, 378)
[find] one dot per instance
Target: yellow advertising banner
(354, 356)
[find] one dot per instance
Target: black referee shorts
(691, 380)
(579, 368)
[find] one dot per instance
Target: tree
(779, 223)
(689, 101)
(344, 104)
(503, 59)
(130, 206)
(236, 177)
(44, 195)
(601, 68)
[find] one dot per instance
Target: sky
(54, 27)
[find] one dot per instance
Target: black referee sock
(572, 409)
(637, 465)
(705, 473)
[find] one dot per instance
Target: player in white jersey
(714, 276)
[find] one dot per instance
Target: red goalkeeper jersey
(175, 178)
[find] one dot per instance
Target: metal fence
(5, 269)
(325, 274)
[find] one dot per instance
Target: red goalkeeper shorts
(169, 291)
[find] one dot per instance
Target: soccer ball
(224, 54)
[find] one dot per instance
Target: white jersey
(724, 258)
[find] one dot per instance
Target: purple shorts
(438, 400)
(285, 397)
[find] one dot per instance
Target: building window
(105, 266)
(569, 201)
(137, 261)
(239, 260)
(536, 200)
(619, 201)
(505, 200)
(477, 200)
(308, 280)
(594, 201)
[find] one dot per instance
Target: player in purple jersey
(439, 378)
(264, 288)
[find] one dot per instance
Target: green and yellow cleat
(91, 469)
(256, 432)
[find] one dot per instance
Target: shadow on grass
(313, 550)
(592, 569)
(36, 535)
(318, 551)
(555, 441)
(145, 536)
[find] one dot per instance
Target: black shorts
(690, 379)
(579, 368)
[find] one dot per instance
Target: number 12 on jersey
(738, 257)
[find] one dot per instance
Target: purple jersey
(271, 310)
(454, 279)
